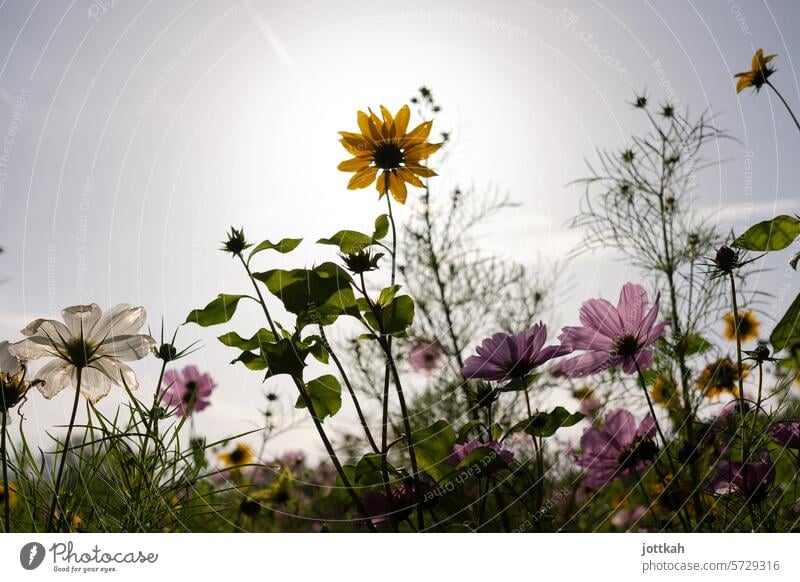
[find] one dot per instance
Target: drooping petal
(33, 348)
(584, 365)
(9, 364)
(549, 352)
(398, 188)
(586, 338)
(117, 372)
(656, 332)
(644, 359)
(354, 164)
(478, 367)
(95, 385)
(362, 178)
(56, 375)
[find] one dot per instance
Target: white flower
(97, 343)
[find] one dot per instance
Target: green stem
(60, 474)
(785, 104)
(739, 366)
(6, 491)
(310, 407)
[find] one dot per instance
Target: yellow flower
(720, 377)
(12, 495)
(665, 392)
(383, 145)
(758, 73)
(748, 326)
(241, 455)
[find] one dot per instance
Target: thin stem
(310, 407)
(350, 389)
(6, 491)
(643, 384)
(739, 366)
(785, 104)
(60, 473)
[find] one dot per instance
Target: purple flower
(460, 451)
(426, 357)
(786, 433)
(382, 510)
(295, 461)
(613, 336)
(618, 449)
(752, 479)
(187, 390)
(503, 357)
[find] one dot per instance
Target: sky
(136, 133)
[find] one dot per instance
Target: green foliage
(787, 331)
(545, 424)
(433, 446)
(218, 311)
(285, 245)
(770, 235)
(325, 394)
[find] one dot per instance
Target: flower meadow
(472, 411)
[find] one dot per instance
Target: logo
(31, 555)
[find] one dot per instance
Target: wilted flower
(383, 145)
(757, 75)
(362, 261)
(613, 336)
(91, 341)
(786, 433)
(504, 357)
(618, 449)
(721, 377)
(13, 385)
(188, 390)
(748, 326)
(426, 356)
(461, 451)
(382, 510)
(752, 479)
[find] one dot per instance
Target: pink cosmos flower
(426, 357)
(504, 357)
(618, 449)
(187, 390)
(752, 479)
(786, 433)
(613, 336)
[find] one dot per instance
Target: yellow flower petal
(422, 171)
(408, 176)
(354, 165)
(745, 81)
(398, 188)
(421, 151)
(401, 120)
(362, 178)
(382, 184)
(418, 135)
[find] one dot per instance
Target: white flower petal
(121, 320)
(80, 319)
(95, 385)
(127, 348)
(56, 375)
(33, 348)
(119, 373)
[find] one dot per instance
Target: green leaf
(348, 241)
(317, 348)
(325, 393)
(433, 445)
(318, 295)
(497, 431)
(387, 294)
(517, 384)
(545, 424)
(484, 459)
(369, 470)
(467, 428)
(395, 317)
(695, 344)
(381, 227)
(252, 361)
(285, 245)
(770, 235)
(218, 311)
(787, 332)
(284, 357)
(234, 340)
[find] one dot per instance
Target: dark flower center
(388, 156)
(643, 449)
(627, 346)
(79, 352)
(191, 391)
(237, 456)
(745, 326)
(725, 375)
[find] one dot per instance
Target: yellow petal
(358, 141)
(362, 178)
(366, 127)
(757, 58)
(421, 170)
(380, 128)
(418, 135)
(410, 177)
(382, 184)
(745, 81)
(388, 120)
(401, 121)
(420, 152)
(398, 188)
(354, 165)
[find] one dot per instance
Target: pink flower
(503, 357)
(786, 433)
(460, 452)
(752, 479)
(618, 449)
(187, 390)
(613, 336)
(426, 356)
